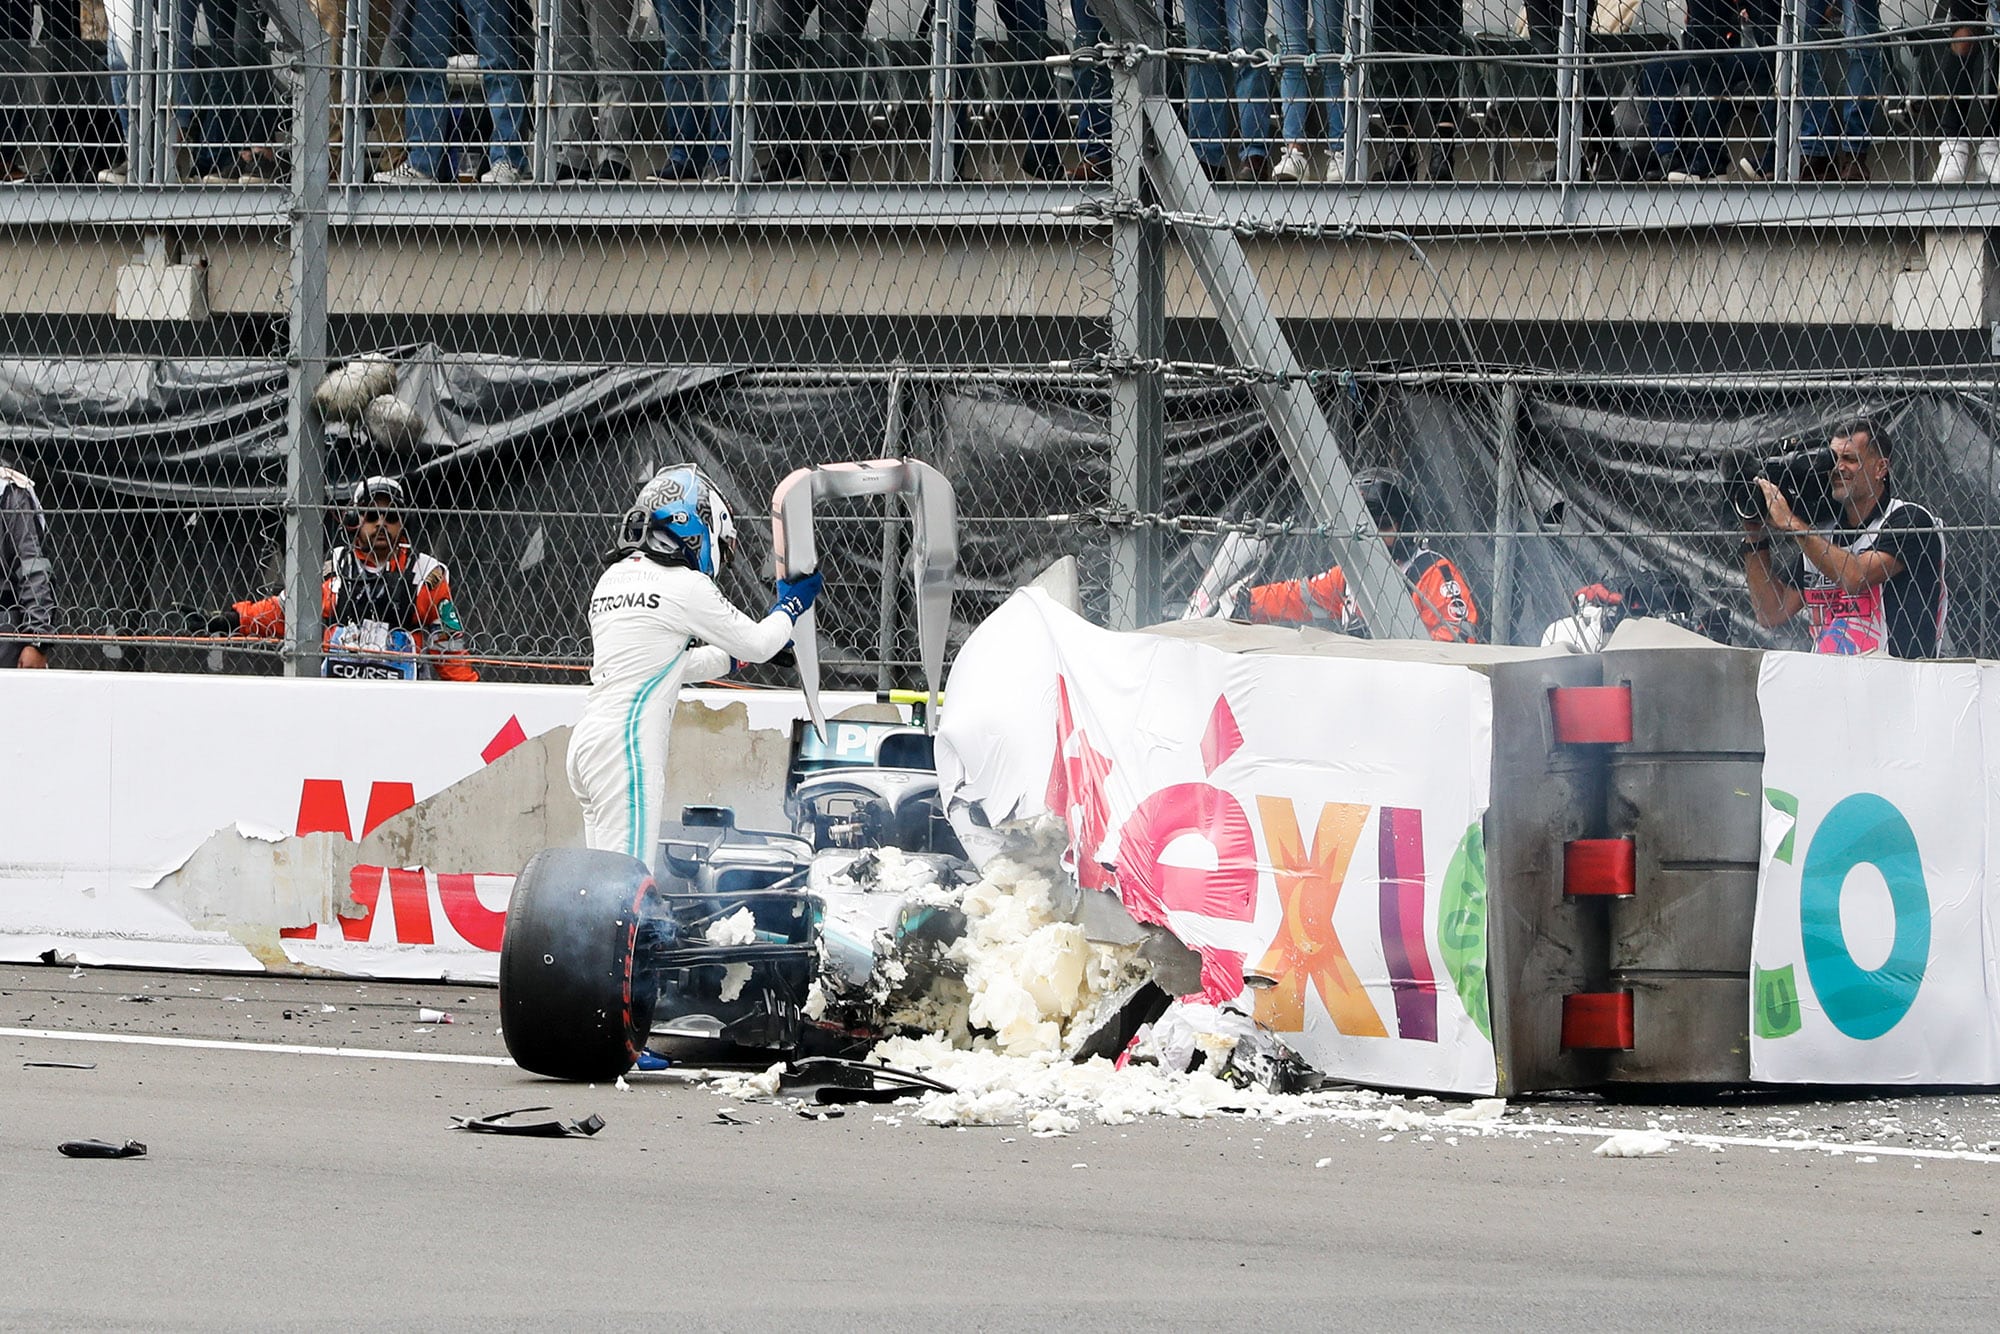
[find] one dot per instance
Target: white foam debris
(1634, 1144)
(742, 1088)
(739, 928)
(1028, 971)
(622, 1086)
(1324, 1162)
(1479, 1109)
(1050, 1124)
(735, 977)
(815, 1006)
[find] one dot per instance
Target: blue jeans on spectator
(1682, 95)
(1093, 89)
(695, 34)
(426, 119)
(1226, 25)
(1317, 27)
(213, 133)
(1022, 19)
(1844, 124)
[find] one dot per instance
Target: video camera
(1804, 475)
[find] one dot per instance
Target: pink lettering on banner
(323, 809)
(477, 925)
(1223, 887)
(1076, 793)
(1401, 861)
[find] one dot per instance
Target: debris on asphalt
(834, 1081)
(139, 1000)
(500, 1124)
(426, 1015)
(97, 1148)
(1634, 1144)
(52, 956)
(58, 1065)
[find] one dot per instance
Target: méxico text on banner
(1873, 957)
(1310, 825)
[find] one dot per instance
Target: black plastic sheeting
(164, 483)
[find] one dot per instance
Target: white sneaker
(117, 175)
(1292, 165)
(1989, 161)
(1954, 162)
(403, 174)
(503, 173)
(1336, 166)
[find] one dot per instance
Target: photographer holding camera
(1874, 581)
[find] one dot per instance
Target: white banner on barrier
(1312, 823)
(1872, 958)
(108, 781)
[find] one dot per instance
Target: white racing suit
(642, 617)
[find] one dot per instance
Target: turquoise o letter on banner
(1866, 830)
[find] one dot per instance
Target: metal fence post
(1138, 393)
(306, 340)
(543, 152)
(1505, 506)
(944, 24)
(1569, 79)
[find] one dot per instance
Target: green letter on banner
(1864, 830)
(1775, 1003)
(1462, 926)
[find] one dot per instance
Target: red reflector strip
(1597, 1020)
(1591, 715)
(1599, 866)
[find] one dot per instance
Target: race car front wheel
(570, 1006)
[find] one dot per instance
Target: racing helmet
(378, 493)
(680, 518)
(1387, 497)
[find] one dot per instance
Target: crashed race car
(737, 942)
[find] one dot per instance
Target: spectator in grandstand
(1025, 100)
(1319, 28)
(1684, 95)
(1436, 586)
(1241, 101)
(431, 30)
(654, 600)
(27, 581)
(1416, 90)
(1964, 75)
(1836, 131)
(818, 115)
(1874, 584)
(17, 24)
(695, 39)
(211, 107)
(1093, 100)
(387, 606)
(595, 86)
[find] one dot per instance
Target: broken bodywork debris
(500, 1124)
(97, 1148)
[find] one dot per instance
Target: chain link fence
(1556, 265)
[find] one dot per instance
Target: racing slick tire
(571, 1006)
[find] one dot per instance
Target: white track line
(1469, 1129)
(1834, 1148)
(287, 1048)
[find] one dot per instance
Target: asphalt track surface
(302, 1172)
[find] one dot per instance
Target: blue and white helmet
(680, 518)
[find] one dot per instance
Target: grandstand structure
(1002, 251)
